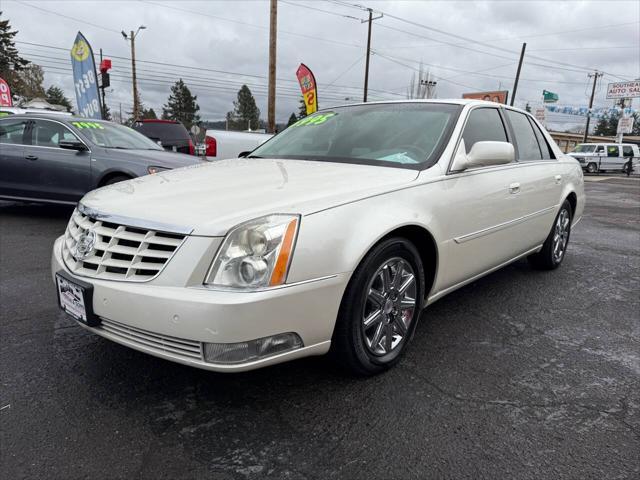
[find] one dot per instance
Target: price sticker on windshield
(87, 125)
(317, 119)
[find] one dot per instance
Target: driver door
(56, 173)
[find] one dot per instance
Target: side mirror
(484, 154)
(72, 145)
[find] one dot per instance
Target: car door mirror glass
(484, 154)
(72, 145)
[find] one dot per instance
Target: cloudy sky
(217, 45)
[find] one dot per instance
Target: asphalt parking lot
(523, 374)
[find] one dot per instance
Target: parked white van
(600, 157)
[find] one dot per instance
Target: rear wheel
(592, 168)
(380, 308)
(555, 246)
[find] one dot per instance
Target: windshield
(585, 148)
(389, 134)
(112, 135)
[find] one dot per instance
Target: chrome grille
(120, 252)
(163, 343)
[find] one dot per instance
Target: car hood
(213, 197)
(155, 158)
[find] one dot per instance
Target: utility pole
(132, 38)
(595, 76)
(515, 85)
(273, 33)
(366, 68)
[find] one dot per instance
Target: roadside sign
(539, 114)
(625, 125)
(549, 97)
(624, 89)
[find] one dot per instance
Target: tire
(592, 168)
(554, 248)
(367, 348)
(116, 179)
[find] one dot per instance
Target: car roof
(57, 117)
(450, 101)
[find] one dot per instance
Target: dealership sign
(624, 89)
(625, 125)
(308, 87)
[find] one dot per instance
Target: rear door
(540, 178)
(56, 173)
(14, 178)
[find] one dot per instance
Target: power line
(252, 25)
(470, 40)
(205, 69)
(67, 17)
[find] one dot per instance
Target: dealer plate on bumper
(75, 298)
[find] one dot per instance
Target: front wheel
(380, 308)
(555, 246)
(592, 168)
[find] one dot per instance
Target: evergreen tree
(149, 114)
(302, 109)
(292, 119)
(11, 63)
(181, 105)
(106, 112)
(55, 96)
(246, 113)
(31, 80)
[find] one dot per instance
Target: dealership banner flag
(308, 87)
(84, 79)
(5, 94)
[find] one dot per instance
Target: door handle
(558, 179)
(31, 157)
(514, 188)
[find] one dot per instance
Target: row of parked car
(57, 157)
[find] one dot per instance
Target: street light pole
(132, 38)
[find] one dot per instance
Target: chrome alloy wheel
(561, 235)
(389, 306)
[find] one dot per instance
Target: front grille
(174, 346)
(120, 252)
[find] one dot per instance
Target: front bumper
(172, 322)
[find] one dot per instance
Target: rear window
(162, 131)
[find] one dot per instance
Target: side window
(600, 149)
(627, 151)
(12, 131)
(527, 143)
(547, 154)
(612, 151)
(483, 124)
(49, 134)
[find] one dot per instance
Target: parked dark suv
(55, 158)
(169, 134)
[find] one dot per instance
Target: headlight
(255, 254)
(153, 170)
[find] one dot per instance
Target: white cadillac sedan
(330, 237)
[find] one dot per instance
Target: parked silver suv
(54, 158)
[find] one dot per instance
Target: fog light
(252, 350)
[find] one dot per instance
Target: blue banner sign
(84, 79)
